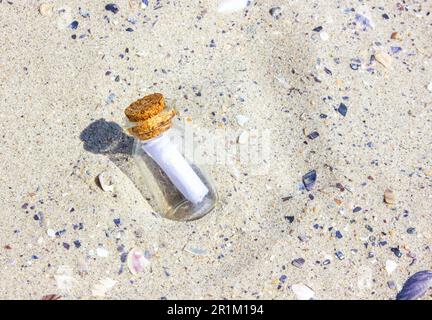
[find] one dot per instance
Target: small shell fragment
(390, 266)
(136, 261)
(46, 9)
(241, 120)
(383, 58)
(302, 292)
(243, 137)
(389, 197)
(229, 6)
(102, 288)
(106, 182)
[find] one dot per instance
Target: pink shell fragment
(136, 261)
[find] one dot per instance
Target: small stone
(74, 25)
(309, 180)
(342, 109)
(276, 12)
(384, 58)
(391, 284)
(302, 292)
(396, 252)
(389, 197)
(390, 266)
(357, 209)
(339, 235)
(243, 138)
(394, 36)
(46, 9)
(290, 219)
(317, 29)
(313, 135)
(340, 255)
(51, 233)
(411, 230)
(299, 262)
(112, 7)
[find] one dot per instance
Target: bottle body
(177, 188)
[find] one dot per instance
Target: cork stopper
(149, 117)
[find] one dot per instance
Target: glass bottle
(178, 189)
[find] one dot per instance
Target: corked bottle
(180, 190)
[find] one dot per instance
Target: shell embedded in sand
(136, 261)
(106, 182)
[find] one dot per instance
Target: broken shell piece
(383, 58)
(102, 288)
(390, 266)
(106, 182)
(243, 137)
(302, 292)
(389, 197)
(136, 261)
(46, 9)
(241, 120)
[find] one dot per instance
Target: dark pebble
(357, 209)
(340, 255)
(411, 230)
(317, 29)
(385, 16)
(299, 262)
(354, 66)
(396, 252)
(129, 30)
(66, 245)
(276, 12)
(77, 243)
(74, 25)
(313, 135)
(342, 109)
(309, 180)
(117, 221)
(290, 219)
(339, 235)
(112, 7)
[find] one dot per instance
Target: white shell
(101, 252)
(302, 292)
(391, 266)
(228, 6)
(106, 182)
(243, 138)
(241, 120)
(429, 87)
(136, 261)
(104, 285)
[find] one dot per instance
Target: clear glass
(176, 187)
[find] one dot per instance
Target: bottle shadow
(108, 138)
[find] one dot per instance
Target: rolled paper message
(175, 166)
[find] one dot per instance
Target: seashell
(389, 196)
(106, 182)
(228, 6)
(136, 261)
(302, 292)
(243, 137)
(390, 266)
(46, 9)
(104, 285)
(416, 286)
(241, 120)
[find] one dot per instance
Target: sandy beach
(341, 88)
